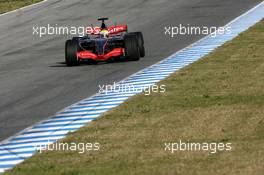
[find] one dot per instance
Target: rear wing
(111, 30)
(117, 29)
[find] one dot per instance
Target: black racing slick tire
(131, 47)
(140, 43)
(71, 50)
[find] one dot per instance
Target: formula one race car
(105, 44)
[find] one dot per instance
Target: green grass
(217, 99)
(9, 5)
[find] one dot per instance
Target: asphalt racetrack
(34, 81)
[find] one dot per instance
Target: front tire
(71, 50)
(131, 47)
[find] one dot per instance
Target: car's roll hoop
(103, 26)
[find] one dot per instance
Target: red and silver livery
(105, 44)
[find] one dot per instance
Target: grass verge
(219, 98)
(9, 5)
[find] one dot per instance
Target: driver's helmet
(105, 33)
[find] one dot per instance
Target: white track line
(23, 8)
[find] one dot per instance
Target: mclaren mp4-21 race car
(105, 44)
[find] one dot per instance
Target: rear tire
(71, 50)
(140, 43)
(131, 47)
